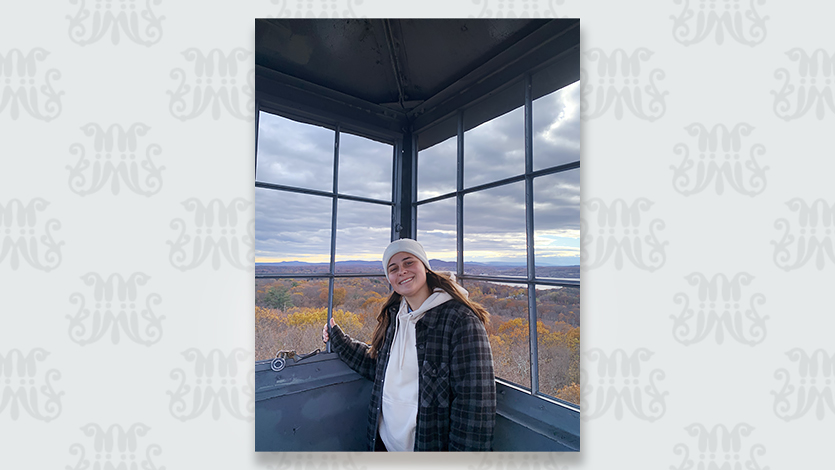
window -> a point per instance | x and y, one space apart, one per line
318 238
509 227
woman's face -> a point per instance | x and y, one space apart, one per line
407 274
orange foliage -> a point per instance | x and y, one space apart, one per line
338 295
569 393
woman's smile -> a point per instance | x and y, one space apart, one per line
407 275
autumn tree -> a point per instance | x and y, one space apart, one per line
338 295
278 297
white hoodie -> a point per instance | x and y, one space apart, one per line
400 387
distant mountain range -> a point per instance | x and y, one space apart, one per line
375 267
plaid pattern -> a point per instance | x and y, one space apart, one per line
457 388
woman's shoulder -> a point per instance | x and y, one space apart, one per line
456 310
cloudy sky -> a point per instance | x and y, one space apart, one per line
296 227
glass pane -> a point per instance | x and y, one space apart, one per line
363 231
557 224
556 127
356 303
293 153
289 314
508 329
437 167
436 229
558 341
292 232
496 149
365 167
494 231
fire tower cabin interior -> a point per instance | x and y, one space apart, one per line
413 85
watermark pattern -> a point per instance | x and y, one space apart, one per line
620 81
121 18
719 161
519 461
114 448
114 159
622 232
812 240
216 383
812 90
721 309
24 88
719 447
116 307
20 231
743 25
622 384
317 460
23 389
814 388
215 236
516 8
326 9
218 82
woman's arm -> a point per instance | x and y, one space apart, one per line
353 353
473 408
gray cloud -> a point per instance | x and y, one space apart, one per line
365 167
290 225
495 149
294 154
556 127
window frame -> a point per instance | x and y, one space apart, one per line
271 98
531 280
338 126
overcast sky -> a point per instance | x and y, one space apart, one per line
291 226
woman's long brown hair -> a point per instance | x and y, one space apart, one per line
433 281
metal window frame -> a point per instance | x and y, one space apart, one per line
531 280
334 195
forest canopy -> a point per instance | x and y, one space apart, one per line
290 313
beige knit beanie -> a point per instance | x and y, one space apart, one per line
406 245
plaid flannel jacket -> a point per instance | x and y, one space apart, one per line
457 388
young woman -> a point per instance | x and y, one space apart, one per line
429 359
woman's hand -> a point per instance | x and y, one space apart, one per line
325 335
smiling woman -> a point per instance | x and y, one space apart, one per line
429 359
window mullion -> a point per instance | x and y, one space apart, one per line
530 235
333 225
459 198
257 121
396 150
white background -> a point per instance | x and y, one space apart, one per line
748 387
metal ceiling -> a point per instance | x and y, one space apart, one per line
387 75
385 62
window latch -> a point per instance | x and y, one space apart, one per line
281 357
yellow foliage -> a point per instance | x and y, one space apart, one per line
263 313
569 393
374 302
302 317
516 331
496 343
